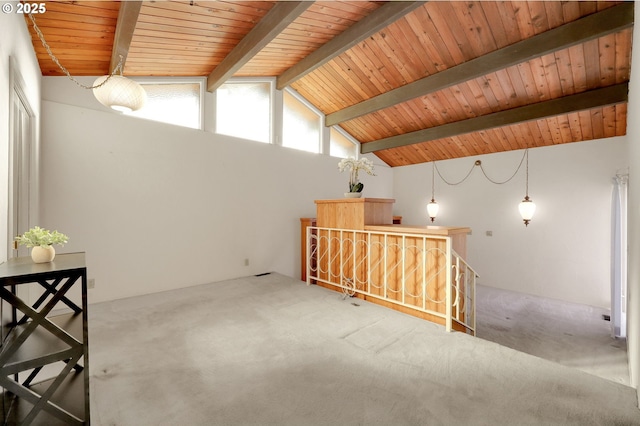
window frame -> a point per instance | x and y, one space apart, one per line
276 111
201 81
272 110
344 133
306 103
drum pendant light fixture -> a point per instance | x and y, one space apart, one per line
119 93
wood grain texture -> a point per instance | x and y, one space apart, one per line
192 38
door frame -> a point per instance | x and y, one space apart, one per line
18 93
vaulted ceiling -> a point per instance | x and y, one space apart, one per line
412 81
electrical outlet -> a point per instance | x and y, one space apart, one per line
489 233
246 262
91 283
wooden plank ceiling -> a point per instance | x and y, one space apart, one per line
412 81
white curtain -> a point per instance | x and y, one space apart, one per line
619 257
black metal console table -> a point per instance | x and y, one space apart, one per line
44 356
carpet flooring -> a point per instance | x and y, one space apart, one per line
567 333
270 350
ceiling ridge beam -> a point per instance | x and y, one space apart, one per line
125 26
270 26
608 21
361 30
582 101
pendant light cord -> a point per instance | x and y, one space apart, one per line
479 163
433 180
57 62
526 192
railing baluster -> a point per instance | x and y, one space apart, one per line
309 254
386 248
448 285
403 251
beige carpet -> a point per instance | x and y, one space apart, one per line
272 351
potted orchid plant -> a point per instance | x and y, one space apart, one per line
354 166
42 241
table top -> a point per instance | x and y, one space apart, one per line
24 266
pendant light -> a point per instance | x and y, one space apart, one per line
527 207
119 93
433 207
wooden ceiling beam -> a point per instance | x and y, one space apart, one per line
608 21
361 30
583 101
126 24
269 27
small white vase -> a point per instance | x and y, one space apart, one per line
353 194
43 254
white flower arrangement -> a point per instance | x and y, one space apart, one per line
354 166
37 236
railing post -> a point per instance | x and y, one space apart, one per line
341 260
474 303
368 262
458 286
424 272
448 285
308 256
404 254
329 258
385 265
354 260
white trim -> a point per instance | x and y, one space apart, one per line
17 89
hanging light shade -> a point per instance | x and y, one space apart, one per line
527 209
432 209
119 93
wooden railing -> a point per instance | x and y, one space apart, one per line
415 273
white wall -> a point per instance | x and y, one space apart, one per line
564 252
15 43
633 133
159 207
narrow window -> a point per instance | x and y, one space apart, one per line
243 110
341 145
301 126
173 103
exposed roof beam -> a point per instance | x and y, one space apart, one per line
126 24
608 21
361 30
272 24
567 104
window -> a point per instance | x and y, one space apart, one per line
243 110
301 126
341 145
173 103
